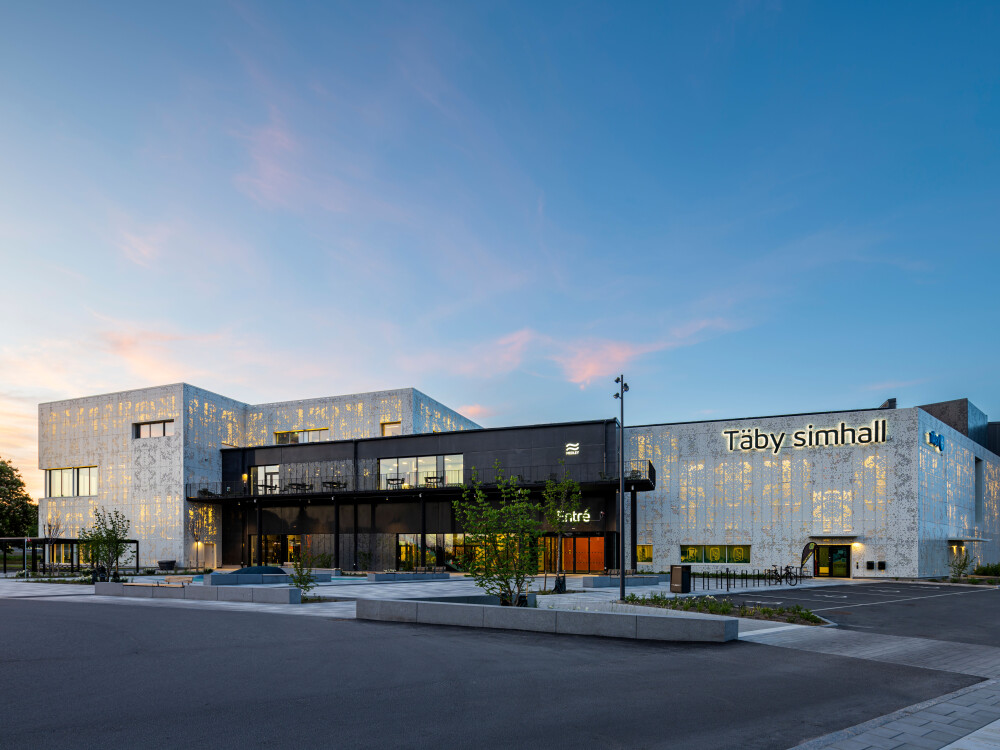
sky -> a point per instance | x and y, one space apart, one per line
748 208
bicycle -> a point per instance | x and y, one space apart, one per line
777 575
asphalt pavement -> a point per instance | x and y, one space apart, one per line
944 612
91 675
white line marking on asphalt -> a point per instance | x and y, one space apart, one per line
915 598
767 631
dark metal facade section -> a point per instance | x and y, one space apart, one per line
993 437
585 451
964 416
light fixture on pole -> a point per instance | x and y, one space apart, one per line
622 390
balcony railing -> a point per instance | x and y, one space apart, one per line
291 483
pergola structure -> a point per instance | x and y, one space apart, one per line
38 544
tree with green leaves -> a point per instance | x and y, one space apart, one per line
18 514
504 534
561 501
303 575
106 542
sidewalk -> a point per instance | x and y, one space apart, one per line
968 719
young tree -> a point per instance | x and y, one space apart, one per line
202 524
52 529
106 540
302 574
18 514
560 505
960 563
504 534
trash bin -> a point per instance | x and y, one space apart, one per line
680 579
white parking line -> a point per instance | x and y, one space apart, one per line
911 599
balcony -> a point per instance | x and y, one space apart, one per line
291 484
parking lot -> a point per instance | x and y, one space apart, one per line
135 676
964 614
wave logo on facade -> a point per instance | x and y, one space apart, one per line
572 449
753 439
934 440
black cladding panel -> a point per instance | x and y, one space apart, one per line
593 444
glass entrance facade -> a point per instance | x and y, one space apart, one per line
581 554
833 561
278 549
443 550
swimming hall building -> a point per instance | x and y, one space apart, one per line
369 479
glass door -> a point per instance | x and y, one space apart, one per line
840 562
822 562
833 561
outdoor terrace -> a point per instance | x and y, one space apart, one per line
316 481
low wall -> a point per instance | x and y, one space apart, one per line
607 582
238 579
408 577
607 624
272 595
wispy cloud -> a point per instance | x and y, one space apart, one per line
273 178
477 411
143 247
889 385
580 360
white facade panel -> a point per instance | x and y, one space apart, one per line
778 498
145 478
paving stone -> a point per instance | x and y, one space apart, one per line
944 736
885 731
850 744
967 724
875 740
920 743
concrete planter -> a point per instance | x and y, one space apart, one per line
251 579
383 577
607 582
270 595
604 624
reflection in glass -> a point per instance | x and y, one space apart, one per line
453 470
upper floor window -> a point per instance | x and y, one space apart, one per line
392 428
420 471
78 481
292 437
154 429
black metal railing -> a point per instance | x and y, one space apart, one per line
308 480
732 579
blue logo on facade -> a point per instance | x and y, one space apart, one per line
935 441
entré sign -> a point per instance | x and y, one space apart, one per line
753 439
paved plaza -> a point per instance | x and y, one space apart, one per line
939 689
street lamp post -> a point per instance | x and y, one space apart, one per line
622 390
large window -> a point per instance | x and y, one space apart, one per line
293 437
715 553
264 480
154 429
420 471
392 428
86 481
77 481
644 553
59 483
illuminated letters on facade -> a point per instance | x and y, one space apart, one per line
753 439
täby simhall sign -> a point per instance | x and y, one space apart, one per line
754 439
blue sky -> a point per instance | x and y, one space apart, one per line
750 208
